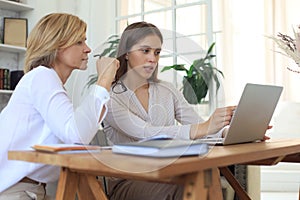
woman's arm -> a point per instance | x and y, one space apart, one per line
57 111
185 114
106 70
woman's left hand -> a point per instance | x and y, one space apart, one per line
267 137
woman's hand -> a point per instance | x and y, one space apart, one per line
220 118
106 69
267 137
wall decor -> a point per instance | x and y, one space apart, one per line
15 31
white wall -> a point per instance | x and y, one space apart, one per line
283 177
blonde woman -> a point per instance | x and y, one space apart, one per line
40 111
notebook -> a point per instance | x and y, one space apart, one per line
162 147
67 148
252 115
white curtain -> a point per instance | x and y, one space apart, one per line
246 55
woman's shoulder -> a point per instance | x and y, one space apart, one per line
42 75
40 71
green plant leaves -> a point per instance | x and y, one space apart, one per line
194 88
92 80
176 67
198 77
112 42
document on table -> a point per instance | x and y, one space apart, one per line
68 148
162 147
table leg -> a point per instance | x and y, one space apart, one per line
215 188
194 187
67 185
203 185
89 188
234 183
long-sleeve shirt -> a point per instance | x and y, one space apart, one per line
40 112
168 113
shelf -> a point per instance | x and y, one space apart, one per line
11 48
6 91
15 6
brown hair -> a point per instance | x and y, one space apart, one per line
132 35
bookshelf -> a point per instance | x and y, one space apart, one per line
14 6
15 54
12 49
6 91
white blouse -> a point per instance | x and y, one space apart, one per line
40 112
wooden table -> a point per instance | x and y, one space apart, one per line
199 174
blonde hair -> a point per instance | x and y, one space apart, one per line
52 32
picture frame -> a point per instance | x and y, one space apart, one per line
15 31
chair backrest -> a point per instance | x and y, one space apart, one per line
99 139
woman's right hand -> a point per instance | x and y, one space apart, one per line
106 69
219 119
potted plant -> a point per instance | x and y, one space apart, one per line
289 46
199 77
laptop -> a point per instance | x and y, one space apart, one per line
252 115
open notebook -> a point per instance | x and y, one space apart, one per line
252 115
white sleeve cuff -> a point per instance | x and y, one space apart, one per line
218 134
101 93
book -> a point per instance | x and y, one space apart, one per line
162 147
67 148
1 78
4 79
